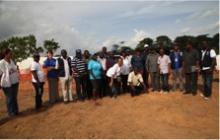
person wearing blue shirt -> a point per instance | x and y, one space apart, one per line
176 66
95 75
52 76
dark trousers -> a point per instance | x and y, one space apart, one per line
191 82
11 99
81 85
89 87
145 77
104 86
207 82
124 80
136 90
164 81
155 80
39 89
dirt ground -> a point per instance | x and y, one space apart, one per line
151 115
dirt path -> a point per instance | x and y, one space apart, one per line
147 116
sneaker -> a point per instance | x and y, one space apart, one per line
206 98
161 92
201 95
166 92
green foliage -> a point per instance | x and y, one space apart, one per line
51 45
164 41
22 47
145 41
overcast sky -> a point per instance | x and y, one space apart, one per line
92 24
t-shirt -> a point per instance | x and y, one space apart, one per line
212 55
96 68
164 62
36 67
51 63
136 80
9 73
114 71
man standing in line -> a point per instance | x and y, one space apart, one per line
208 62
164 70
63 64
79 69
190 68
176 66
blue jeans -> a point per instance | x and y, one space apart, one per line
207 82
11 99
164 80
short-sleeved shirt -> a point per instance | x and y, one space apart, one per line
9 73
51 63
136 80
114 71
190 58
37 67
80 65
164 62
96 68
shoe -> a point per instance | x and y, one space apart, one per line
201 95
206 98
166 92
161 92
194 93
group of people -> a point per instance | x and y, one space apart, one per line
106 74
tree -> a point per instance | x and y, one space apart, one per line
215 43
51 45
164 40
182 41
22 47
145 41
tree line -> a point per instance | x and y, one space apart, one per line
24 47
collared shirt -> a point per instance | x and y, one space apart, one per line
135 79
51 63
40 74
189 59
114 71
164 62
126 65
151 62
9 72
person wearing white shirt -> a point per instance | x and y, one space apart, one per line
38 79
164 66
208 62
126 68
63 65
114 77
9 82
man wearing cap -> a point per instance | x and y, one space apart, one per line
63 64
79 69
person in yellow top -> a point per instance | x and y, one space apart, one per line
136 82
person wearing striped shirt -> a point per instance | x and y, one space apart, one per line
79 70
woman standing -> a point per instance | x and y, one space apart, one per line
95 71
52 76
9 78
